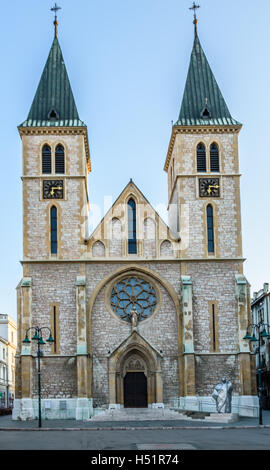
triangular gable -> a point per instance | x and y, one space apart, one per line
118 210
133 340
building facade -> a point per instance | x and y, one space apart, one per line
143 314
8 335
3 374
260 307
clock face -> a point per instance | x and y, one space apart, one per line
209 187
53 189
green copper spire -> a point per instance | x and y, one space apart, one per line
54 104
203 103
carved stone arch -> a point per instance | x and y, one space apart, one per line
126 270
119 272
166 248
98 249
135 355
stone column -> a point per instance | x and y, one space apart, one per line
84 402
244 318
159 388
26 322
23 407
188 338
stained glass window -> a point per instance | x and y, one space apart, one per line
210 229
132 292
132 237
53 230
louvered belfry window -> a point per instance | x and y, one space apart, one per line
59 159
46 159
214 157
201 158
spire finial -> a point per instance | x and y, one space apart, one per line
195 21
55 9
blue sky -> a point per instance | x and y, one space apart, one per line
127 62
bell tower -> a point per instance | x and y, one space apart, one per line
56 163
203 168
204 211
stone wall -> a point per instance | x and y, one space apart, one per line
55 284
160 330
210 369
214 282
58 377
211 282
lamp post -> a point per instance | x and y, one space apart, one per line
259 332
38 337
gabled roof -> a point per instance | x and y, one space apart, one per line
54 103
131 189
203 103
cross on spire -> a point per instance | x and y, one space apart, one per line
55 9
195 21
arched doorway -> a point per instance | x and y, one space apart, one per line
135 376
135 390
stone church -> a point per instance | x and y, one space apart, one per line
142 314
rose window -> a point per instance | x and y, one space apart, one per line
133 292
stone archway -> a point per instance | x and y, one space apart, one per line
135 356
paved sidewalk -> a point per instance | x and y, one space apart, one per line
6 423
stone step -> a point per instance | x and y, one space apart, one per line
138 414
222 417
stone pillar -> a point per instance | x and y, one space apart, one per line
26 322
84 407
23 403
188 338
244 318
159 388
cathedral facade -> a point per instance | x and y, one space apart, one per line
142 314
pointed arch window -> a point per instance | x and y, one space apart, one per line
201 157
53 215
214 157
46 159
59 159
132 236
210 228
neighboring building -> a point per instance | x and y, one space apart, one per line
260 307
143 314
3 373
8 331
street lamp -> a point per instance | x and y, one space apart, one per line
38 337
258 332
